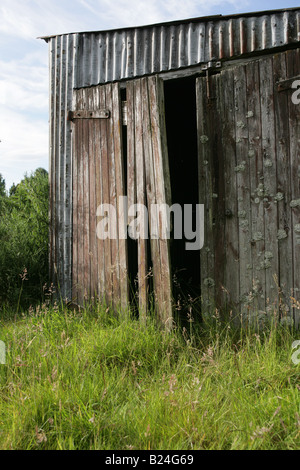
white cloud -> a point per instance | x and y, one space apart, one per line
122 13
31 18
28 19
23 146
24 84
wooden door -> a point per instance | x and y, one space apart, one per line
99 265
149 184
248 139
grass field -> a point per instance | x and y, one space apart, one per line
88 380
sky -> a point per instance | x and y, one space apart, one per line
24 76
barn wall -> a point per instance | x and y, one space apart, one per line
83 59
248 137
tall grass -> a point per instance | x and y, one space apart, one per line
89 380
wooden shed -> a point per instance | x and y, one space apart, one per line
199 111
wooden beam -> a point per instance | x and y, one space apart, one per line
283 85
89 114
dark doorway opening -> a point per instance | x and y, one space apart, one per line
181 126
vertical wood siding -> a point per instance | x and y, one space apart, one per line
99 266
248 139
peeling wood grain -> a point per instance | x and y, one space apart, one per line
255 160
243 182
162 189
205 158
284 234
141 199
232 253
269 152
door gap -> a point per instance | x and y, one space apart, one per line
181 126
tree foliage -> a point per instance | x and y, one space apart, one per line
24 238
3 196
2 186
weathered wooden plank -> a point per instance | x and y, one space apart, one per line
103 254
151 192
293 66
90 113
86 205
218 188
92 198
131 176
167 199
269 260
140 198
106 199
283 194
205 159
243 183
257 229
211 190
163 139
80 237
63 181
77 138
161 178
113 200
231 232
99 249
286 84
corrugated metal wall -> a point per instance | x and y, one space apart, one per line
62 58
84 59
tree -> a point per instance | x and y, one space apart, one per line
24 238
2 186
12 189
3 195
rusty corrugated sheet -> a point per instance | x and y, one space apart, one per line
84 59
132 52
117 55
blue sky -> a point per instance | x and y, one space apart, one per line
24 85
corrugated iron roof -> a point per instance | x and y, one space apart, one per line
105 56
